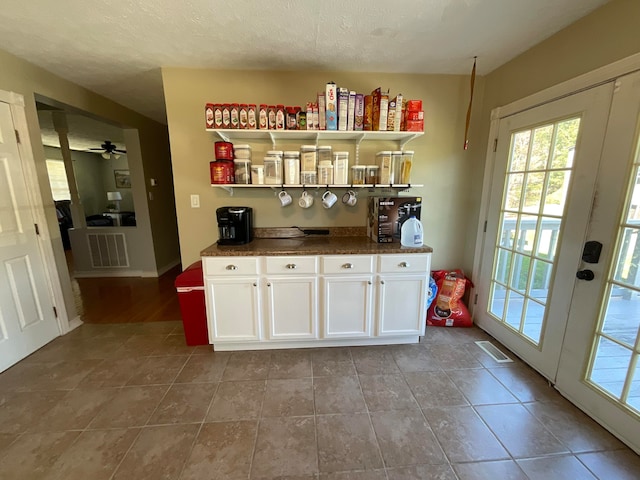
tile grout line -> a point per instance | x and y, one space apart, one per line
259 420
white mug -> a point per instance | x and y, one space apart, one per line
306 200
285 198
349 198
329 199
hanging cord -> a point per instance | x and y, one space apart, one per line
473 81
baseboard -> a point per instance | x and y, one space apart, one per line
169 266
75 323
108 273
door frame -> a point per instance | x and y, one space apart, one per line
577 84
45 245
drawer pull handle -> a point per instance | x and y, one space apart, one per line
291 266
231 267
403 265
347 265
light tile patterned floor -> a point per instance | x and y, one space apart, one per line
132 401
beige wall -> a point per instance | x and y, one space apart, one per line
606 35
19 76
441 164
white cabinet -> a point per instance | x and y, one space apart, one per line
402 289
291 297
347 289
292 307
233 308
275 302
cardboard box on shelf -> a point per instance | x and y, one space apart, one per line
331 104
343 108
415 126
386 215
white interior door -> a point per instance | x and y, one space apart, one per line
543 179
599 366
27 320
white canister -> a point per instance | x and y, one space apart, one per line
341 168
308 158
273 170
242 152
291 164
257 174
325 174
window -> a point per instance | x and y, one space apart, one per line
58 180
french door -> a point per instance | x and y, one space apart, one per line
567 173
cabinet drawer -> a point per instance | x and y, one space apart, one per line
292 265
402 263
345 264
230 266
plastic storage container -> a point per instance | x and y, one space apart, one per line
272 170
411 233
309 178
242 152
308 158
385 167
257 174
358 174
242 171
325 174
341 168
190 287
371 175
407 163
324 153
396 164
291 164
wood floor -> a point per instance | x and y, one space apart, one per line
127 300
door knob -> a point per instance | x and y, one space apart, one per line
585 275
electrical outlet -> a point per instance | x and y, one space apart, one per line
195 201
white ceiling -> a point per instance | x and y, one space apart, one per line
84 132
116 47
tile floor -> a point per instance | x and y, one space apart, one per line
131 401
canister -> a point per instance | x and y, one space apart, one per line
251 116
407 163
242 171
341 168
371 176
358 173
257 174
385 170
308 158
291 164
396 163
226 115
243 116
263 117
281 117
223 150
273 170
235 112
325 174
292 118
324 153
271 117
309 178
242 152
209 115
221 172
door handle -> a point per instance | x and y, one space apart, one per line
585 275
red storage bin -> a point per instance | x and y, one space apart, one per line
190 288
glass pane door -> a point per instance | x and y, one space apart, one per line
614 367
536 183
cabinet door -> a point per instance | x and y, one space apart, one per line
401 304
347 306
233 309
292 305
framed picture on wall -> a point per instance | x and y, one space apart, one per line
123 178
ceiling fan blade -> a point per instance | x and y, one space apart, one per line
99 149
119 151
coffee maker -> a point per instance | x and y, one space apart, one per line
235 225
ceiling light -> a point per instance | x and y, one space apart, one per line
106 155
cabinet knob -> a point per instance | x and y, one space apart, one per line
231 267
291 266
347 265
255 284
381 282
268 284
369 282
403 264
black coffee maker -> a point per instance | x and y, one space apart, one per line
235 225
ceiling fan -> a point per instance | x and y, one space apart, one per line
108 149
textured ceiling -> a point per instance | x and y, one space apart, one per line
84 132
116 47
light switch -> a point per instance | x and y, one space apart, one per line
195 201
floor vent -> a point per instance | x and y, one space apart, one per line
493 351
108 250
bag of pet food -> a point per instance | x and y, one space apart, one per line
448 309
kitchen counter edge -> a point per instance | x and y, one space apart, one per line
310 246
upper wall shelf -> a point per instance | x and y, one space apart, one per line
314 136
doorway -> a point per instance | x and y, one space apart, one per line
564 174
